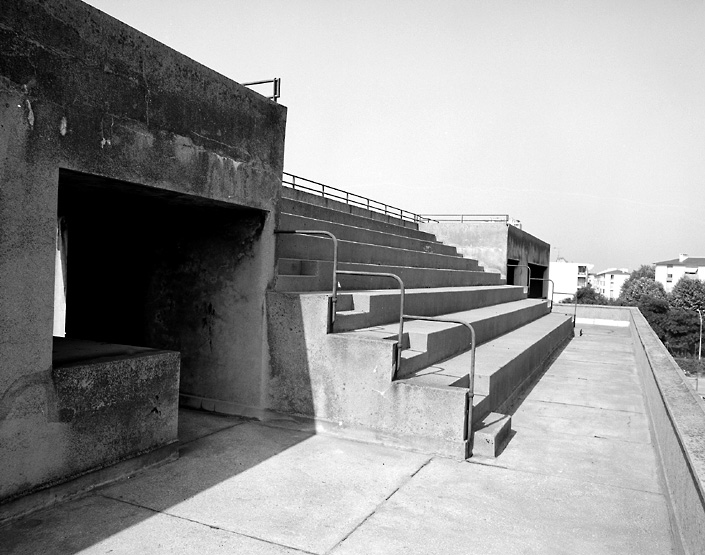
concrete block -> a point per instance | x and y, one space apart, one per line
490 434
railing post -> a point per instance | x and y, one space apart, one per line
400 337
334 293
471 375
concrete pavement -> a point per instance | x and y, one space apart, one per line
578 476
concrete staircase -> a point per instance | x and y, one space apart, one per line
366 243
350 381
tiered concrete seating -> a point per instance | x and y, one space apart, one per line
304 263
349 380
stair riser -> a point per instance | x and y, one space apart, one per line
412 278
381 310
290 206
504 382
361 235
442 344
316 248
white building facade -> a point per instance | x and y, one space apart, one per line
609 282
568 277
668 272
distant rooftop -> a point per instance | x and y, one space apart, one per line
690 261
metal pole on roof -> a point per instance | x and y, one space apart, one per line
700 349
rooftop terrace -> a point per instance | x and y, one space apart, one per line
582 474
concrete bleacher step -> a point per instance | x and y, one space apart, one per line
502 365
343 216
362 309
320 248
427 343
395 237
413 277
491 434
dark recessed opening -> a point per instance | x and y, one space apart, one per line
136 260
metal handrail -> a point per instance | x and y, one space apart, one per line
334 294
352 199
528 281
397 360
276 92
473 346
462 218
552 289
575 306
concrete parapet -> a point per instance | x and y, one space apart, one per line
677 415
678 429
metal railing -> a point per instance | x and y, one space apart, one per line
400 337
575 302
473 348
352 199
528 280
469 218
276 92
334 293
553 287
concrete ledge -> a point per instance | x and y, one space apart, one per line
678 429
601 322
602 315
82 484
223 407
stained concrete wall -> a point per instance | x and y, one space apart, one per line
492 244
83 92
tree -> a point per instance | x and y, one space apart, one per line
688 294
634 289
587 295
681 331
645 270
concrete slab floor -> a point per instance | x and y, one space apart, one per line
576 478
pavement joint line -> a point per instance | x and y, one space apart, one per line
561 476
608 438
368 516
579 405
212 433
211 526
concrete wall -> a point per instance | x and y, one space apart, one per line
677 418
492 244
80 91
678 428
485 242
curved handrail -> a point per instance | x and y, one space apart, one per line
575 306
528 281
473 346
552 289
397 360
334 295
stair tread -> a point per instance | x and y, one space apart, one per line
491 356
343 244
347 229
469 316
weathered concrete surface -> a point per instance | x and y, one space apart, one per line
80 91
260 489
103 525
678 422
101 410
461 508
277 485
493 244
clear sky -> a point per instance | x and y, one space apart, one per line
583 119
